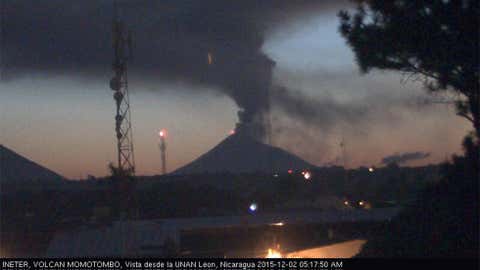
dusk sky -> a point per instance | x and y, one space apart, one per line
56 107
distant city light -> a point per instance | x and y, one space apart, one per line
290 171
275 175
232 132
307 175
162 133
361 202
371 169
253 207
346 203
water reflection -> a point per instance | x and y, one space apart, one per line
346 249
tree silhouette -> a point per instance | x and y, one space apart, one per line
123 192
437 41
117 173
434 40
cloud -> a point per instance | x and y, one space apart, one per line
214 43
404 157
172 43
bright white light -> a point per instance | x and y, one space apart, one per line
307 175
272 254
162 133
278 224
371 169
253 207
361 202
346 203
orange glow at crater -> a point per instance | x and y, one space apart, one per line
273 254
209 58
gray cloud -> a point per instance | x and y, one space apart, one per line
322 113
404 157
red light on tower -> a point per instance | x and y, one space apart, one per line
163 148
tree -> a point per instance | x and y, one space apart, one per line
438 41
434 40
123 191
442 222
117 173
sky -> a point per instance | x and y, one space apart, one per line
56 107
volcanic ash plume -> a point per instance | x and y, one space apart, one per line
214 43
252 96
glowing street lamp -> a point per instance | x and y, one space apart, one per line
307 175
253 207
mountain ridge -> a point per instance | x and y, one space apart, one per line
242 154
15 168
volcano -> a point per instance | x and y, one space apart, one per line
243 154
15 168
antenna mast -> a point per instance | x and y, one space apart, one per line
163 147
119 84
344 154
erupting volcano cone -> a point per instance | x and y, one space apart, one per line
242 154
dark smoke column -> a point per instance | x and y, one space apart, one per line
253 96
